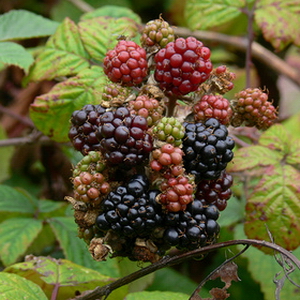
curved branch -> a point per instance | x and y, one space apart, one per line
240 43
171 261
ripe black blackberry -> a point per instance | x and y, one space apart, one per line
193 228
207 148
84 125
131 210
124 137
215 192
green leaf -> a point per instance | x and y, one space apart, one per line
204 14
276 138
22 24
48 206
13 200
279 22
275 203
63 99
14 54
16 287
293 157
254 156
100 34
64 275
6 154
291 124
65 230
64 54
16 235
113 11
157 295
264 268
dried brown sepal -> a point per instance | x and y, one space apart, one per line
99 250
145 250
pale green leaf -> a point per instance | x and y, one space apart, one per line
75 249
14 54
279 21
264 268
293 157
13 200
23 24
16 235
16 287
47 206
50 273
64 54
275 203
292 124
155 295
101 34
276 138
203 14
112 11
65 97
6 154
247 158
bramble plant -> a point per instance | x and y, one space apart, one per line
168 158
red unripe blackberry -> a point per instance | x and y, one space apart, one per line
182 66
167 160
126 63
212 106
177 192
215 192
147 107
84 127
124 137
252 108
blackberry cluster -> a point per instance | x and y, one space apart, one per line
182 66
124 138
126 63
84 127
215 192
131 210
193 228
207 148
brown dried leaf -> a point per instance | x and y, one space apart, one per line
219 294
227 273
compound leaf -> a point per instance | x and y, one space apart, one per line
76 250
279 22
113 11
64 275
15 287
204 14
51 112
16 235
254 156
13 200
14 54
101 33
63 55
157 295
23 24
275 203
